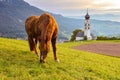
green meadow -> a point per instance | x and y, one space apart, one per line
18 63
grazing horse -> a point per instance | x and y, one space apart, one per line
42 29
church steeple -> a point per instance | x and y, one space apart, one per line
87 32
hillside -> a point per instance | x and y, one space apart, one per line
18 63
12 17
13 14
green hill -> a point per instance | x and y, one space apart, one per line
18 63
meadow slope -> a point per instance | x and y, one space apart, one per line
18 63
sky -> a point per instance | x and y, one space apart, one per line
77 7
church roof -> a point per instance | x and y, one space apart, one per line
87 16
80 34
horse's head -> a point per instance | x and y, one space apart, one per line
44 49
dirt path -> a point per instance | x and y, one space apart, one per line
112 49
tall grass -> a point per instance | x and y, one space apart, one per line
18 63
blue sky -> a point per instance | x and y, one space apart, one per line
78 7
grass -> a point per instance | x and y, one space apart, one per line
18 63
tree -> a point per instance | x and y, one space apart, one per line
74 33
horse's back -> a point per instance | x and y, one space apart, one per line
31 24
43 26
50 27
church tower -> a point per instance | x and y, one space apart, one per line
87 32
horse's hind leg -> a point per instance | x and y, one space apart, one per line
32 45
54 49
35 45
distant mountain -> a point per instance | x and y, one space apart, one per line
111 17
12 17
105 28
13 14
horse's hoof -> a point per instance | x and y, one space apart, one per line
57 60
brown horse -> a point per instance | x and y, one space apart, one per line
45 30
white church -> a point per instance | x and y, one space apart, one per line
87 30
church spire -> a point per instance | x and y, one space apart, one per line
87 32
87 10
87 15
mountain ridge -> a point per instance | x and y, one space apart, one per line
12 18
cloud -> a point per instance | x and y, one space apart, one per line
75 7
69 4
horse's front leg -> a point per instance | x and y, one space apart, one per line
54 49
